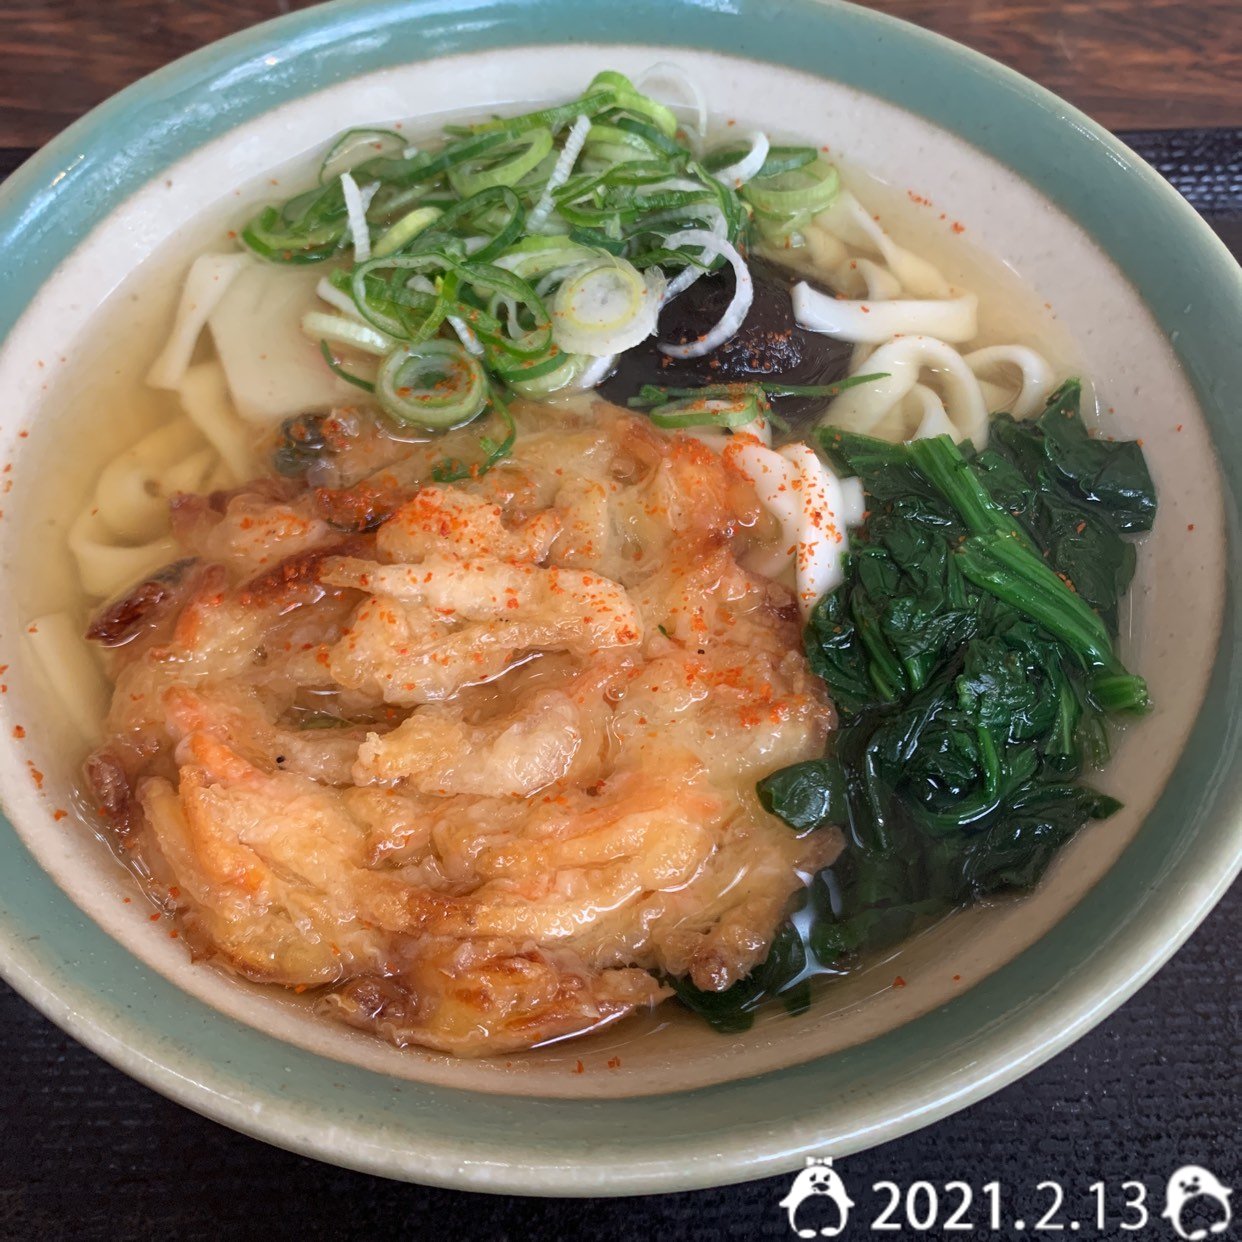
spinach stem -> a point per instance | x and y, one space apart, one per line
942 462
1006 569
1120 692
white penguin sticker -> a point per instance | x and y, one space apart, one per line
1193 1182
818 1180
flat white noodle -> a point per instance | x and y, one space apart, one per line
191 474
849 221
132 491
274 370
812 505
933 420
864 278
205 399
904 361
718 439
221 477
121 534
829 253
106 565
208 280
715 440
72 670
951 319
854 501
772 477
760 428
822 542
1035 375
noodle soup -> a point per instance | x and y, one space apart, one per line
486 688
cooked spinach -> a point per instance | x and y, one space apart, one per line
805 795
970 655
783 971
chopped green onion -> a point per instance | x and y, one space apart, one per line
605 307
779 160
358 146
632 100
452 470
807 189
534 257
382 292
303 231
335 367
540 377
512 162
495 214
434 385
593 102
343 331
449 227
738 411
650 395
405 231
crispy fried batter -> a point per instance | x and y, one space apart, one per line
487 775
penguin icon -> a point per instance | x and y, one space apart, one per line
819 1180
1189 1184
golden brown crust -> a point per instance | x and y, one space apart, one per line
485 775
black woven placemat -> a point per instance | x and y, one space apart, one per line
86 1153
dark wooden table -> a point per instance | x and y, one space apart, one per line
86 1153
1131 64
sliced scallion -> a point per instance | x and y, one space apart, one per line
505 165
651 395
810 188
335 367
546 242
605 307
453 470
735 411
435 385
405 231
358 146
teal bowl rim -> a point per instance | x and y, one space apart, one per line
1181 861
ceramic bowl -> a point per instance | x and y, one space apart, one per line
1154 304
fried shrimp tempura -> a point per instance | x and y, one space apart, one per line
483 777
